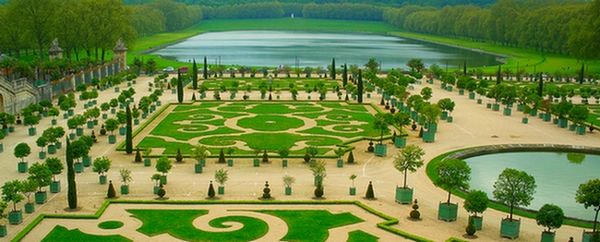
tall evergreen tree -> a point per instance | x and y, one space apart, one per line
205 69
540 86
128 132
581 73
499 75
194 75
72 187
465 68
179 87
359 87
345 75
333 69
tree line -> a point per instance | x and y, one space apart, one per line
564 28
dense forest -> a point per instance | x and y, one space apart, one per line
553 26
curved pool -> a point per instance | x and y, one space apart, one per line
557 176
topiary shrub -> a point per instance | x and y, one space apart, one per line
111 191
470 228
319 192
179 157
265 158
350 159
306 157
211 190
370 193
415 214
138 157
161 192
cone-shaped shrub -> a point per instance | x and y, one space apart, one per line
111 191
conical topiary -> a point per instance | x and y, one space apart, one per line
265 158
350 158
138 157
211 190
111 191
421 133
370 193
221 156
179 157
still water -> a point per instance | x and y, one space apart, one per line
557 176
275 48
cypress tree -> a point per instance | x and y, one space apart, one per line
128 132
360 87
540 86
499 75
581 73
345 75
370 193
72 187
465 68
205 69
194 75
179 88
350 158
111 193
221 157
333 69
138 156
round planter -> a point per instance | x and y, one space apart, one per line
124 189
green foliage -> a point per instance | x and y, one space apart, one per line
476 202
361 236
101 165
60 233
41 174
22 150
221 176
514 188
11 192
111 125
550 216
409 159
588 194
163 165
111 193
71 185
179 157
128 132
55 165
125 175
211 190
370 193
453 174
318 222
350 158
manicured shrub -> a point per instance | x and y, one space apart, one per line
138 156
370 193
179 157
470 228
350 158
415 214
211 190
221 156
265 158
319 191
111 191
161 192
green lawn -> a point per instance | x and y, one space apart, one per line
594 117
60 233
270 126
361 236
178 223
525 58
311 225
281 83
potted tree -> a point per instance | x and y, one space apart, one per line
41 142
200 152
111 125
221 176
256 161
11 192
156 178
401 119
452 174
21 151
125 179
288 181
104 107
476 202
551 217
409 159
163 165
284 153
587 194
101 165
56 166
352 187
381 122
319 171
41 174
230 151
3 206
28 188
147 161
513 188
31 120
340 153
